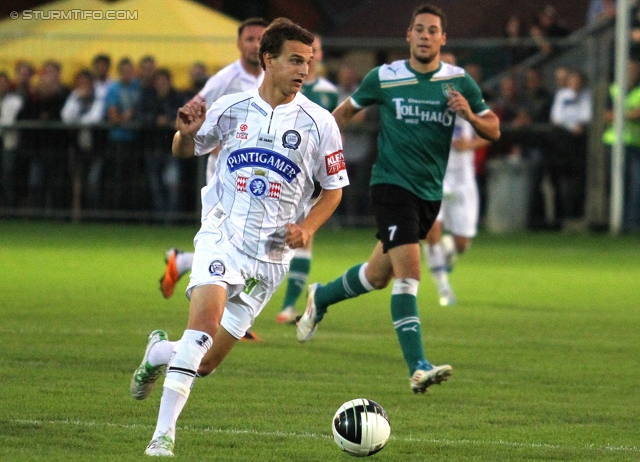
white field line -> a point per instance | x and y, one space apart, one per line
404 439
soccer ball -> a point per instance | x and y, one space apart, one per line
361 427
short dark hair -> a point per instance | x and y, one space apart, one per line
427 8
278 32
52 63
86 73
164 72
124 61
102 57
147 59
252 22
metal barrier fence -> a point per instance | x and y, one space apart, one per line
56 173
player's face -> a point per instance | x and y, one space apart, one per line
425 38
291 67
249 44
316 46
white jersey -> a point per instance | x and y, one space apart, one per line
461 164
230 79
460 201
265 168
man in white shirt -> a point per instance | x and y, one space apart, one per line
241 75
272 142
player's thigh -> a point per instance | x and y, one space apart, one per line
216 261
262 280
402 218
460 214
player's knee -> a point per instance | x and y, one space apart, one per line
207 366
379 282
462 244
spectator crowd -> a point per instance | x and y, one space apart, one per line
113 136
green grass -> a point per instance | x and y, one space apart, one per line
544 343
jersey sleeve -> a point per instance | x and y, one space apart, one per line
330 171
213 89
368 91
471 91
209 135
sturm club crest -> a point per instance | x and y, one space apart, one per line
447 88
217 268
258 186
291 139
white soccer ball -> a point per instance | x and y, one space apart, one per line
361 427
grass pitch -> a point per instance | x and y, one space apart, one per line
544 343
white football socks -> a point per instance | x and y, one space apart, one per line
181 373
437 263
161 352
184 260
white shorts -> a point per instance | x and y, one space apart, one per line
460 209
250 282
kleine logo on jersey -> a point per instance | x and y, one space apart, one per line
334 162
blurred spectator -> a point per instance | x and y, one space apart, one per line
121 104
509 108
358 145
85 107
547 25
476 73
24 77
567 156
46 147
561 77
599 10
102 81
10 105
542 214
198 77
631 140
147 71
517 51
537 102
158 110
634 39
537 99
101 68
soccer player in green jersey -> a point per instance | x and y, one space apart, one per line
418 101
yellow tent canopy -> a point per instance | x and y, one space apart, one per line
176 33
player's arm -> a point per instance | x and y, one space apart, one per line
476 142
188 121
344 113
298 235
487 125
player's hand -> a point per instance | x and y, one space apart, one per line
296 236
459 104
190 118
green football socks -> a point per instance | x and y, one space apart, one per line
351 284
404 313
298 274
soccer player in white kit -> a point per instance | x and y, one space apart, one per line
459 209
273 142
241 75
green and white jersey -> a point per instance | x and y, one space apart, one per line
322 92
416 125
